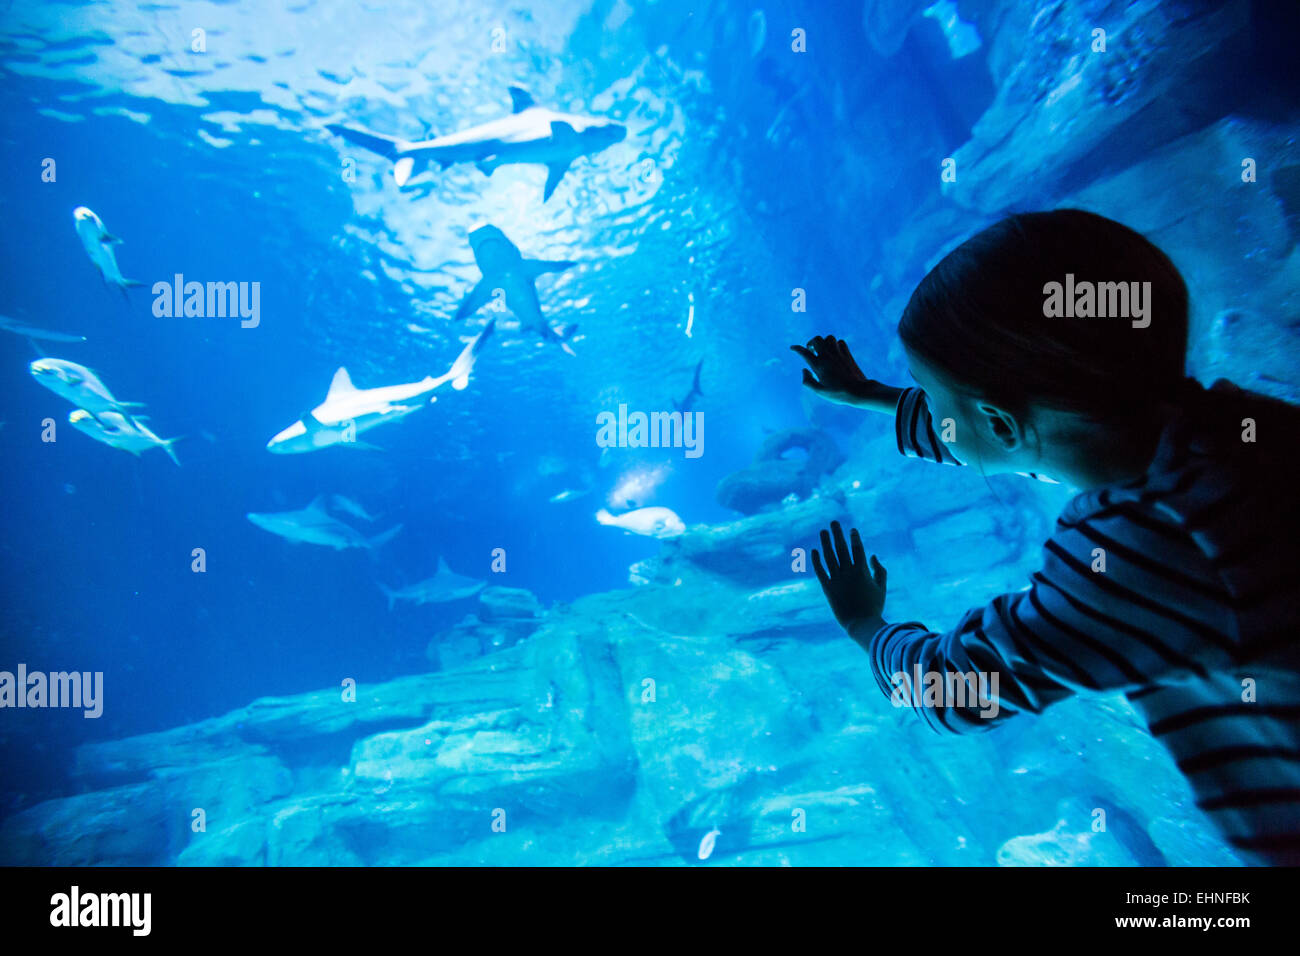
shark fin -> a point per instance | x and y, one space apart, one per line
382 539
364 445
118 406
562 132
310 422
388 593
442 566
402 170
317 504
109 239
375 142
475 299
487 164
520 99
537 267
341 384
555 171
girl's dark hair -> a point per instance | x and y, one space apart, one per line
979 317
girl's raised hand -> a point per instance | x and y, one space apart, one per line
832 372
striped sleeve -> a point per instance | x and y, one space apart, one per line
1119 604
915 432
916 437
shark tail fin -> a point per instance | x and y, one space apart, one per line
388 593
458 374
167 447
564 334
380 540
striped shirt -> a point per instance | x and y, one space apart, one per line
1180 589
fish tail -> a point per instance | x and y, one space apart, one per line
167 447
388 593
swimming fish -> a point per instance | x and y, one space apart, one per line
444 587
656 522
348 506
18 328
79 385
314 525
98 243
349 411
508 274
687 403
530 134
129 433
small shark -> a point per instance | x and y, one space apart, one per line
121 431
314 525
687 403
98 243
18 328
444 587
531 134
79 385
507 272
348 411
651 522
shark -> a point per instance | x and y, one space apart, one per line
507 273
687 403
315 525
530 134
443 588
127 432
30 331
348 411
79 385
98 243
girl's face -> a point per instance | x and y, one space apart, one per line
977 432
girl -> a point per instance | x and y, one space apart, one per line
1172 576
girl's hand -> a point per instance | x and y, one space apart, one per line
854 589
838 378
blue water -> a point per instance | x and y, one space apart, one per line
747 172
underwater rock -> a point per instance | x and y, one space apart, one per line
772 477
500 603
505 617
1059 104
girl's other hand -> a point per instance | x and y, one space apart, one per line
854 588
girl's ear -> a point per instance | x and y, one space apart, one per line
1000 427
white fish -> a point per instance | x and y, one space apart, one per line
444 587
314 525
505 270
121 431
654 522
79 385
18 328
98 243
531 134
348 411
